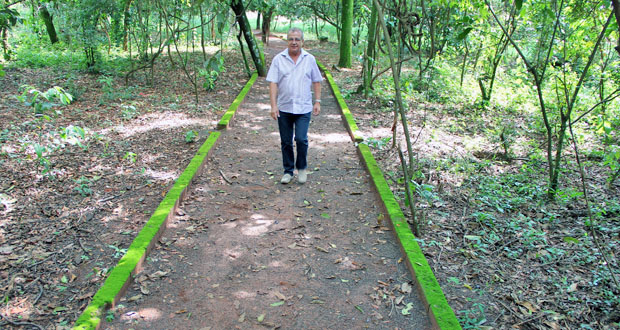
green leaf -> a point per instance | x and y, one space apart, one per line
569 239
63 279
276 304
60 309
260 318
463 34
325 215
407 309
519 4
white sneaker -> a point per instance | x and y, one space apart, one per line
286 178
302 176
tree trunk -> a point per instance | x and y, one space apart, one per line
616 6
244 26
266 28
49 23
370 51
346 34
126 23
4 39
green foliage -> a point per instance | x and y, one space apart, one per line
74 135
612 161
191 136
129 112
378 143
473 318
83 186
131 157
42 102
211 71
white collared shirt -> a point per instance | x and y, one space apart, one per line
294 81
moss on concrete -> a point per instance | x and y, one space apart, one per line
228 116
120 275
350 120
441 312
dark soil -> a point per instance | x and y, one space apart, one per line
62 230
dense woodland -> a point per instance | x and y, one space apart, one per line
496 123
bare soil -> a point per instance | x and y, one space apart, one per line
248 252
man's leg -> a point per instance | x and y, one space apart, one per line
285 124
301 140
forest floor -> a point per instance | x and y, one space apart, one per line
502 259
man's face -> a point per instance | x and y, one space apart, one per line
294 43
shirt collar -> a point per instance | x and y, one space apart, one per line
304 53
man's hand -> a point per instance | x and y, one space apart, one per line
275 113
316 109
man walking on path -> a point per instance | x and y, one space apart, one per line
292 75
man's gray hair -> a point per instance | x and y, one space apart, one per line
296 29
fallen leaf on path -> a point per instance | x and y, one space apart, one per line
407 309
260 318
405 288
158 274
279 295
241 318
321 249
134 298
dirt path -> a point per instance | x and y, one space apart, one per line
247 252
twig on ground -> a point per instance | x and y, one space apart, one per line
21 323
224 177
528 320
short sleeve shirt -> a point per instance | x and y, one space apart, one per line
294 81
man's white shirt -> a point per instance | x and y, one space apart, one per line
294 81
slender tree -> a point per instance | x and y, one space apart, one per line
244 25
48 19
346 42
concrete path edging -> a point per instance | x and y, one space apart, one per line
121 276
440 313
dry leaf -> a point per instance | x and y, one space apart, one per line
405 288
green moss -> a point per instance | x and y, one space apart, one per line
353 129
119 275
441 311
225 121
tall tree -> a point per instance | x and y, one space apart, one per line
48 19
369 58
246 29
616 8
346 41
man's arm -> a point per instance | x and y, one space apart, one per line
316 109
273 97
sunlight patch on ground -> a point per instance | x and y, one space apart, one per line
378 133
263 106
253 151
330 117
275 263
257 225
251 127
330 138
154 121
244 294
146 314
162 175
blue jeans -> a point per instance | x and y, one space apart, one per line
294 125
